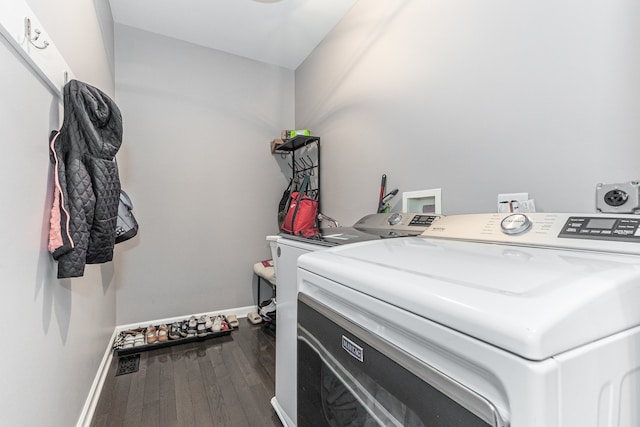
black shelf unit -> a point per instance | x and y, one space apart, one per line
291 145
304 165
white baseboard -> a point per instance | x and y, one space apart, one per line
284 418
240 312
94 392
96 388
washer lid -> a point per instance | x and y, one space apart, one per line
534 302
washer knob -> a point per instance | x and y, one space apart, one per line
515 224
394 218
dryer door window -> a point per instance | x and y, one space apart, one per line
349 377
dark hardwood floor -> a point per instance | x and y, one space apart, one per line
223 381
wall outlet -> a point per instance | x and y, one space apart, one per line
515 202
618 198
513 197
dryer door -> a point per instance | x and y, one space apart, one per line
347 376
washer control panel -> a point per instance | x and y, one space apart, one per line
409 223
598 228
618 233
422 220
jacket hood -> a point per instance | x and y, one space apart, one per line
93 118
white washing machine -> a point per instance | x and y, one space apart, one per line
289 248
484 320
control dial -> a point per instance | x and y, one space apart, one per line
394 218
515 224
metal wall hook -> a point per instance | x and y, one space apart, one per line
303 163
33 39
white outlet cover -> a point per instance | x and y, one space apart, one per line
513 197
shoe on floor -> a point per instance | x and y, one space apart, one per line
129 341
192 325
163 333
254 318
269 308
184 328
174 331
138 339
151 335
217 324
133 331
266 302
204 325
233 320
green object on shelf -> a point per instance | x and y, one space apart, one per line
288 134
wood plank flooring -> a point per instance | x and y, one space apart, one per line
222 382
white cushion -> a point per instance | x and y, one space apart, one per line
267 272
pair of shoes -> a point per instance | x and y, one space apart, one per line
118 343
205 325
150 334
163 333
254 318
135 331
184 328
126 339
174 331
266 309
138 339
232 320
131 340
192 325
160 334
217 324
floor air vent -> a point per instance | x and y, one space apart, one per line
128 364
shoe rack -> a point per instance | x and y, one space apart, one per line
120 350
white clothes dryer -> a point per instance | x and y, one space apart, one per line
485 320
289 248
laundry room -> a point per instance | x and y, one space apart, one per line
472 98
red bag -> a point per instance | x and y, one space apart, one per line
302 214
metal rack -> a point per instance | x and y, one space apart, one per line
305 160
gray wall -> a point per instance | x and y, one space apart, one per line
196 162
55 332
476 98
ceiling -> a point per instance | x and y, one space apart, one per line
279 32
